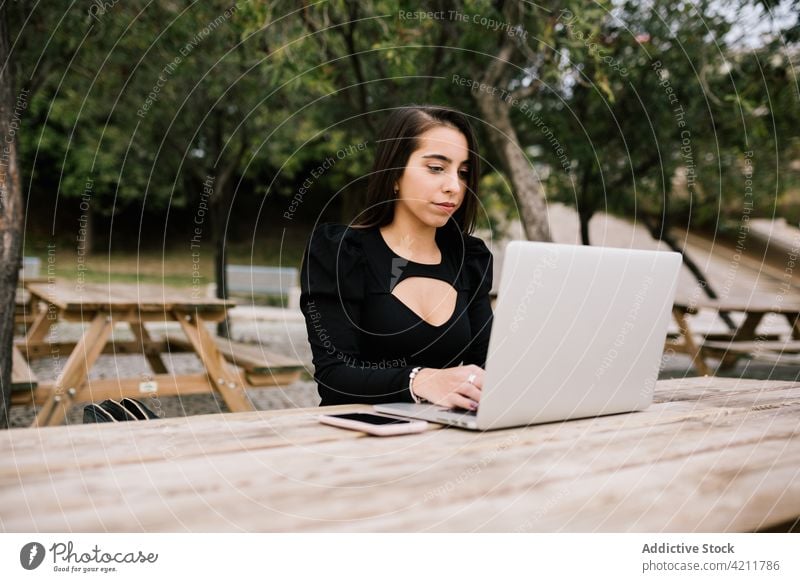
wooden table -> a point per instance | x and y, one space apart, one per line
712 455
742 341
101 306
22 308
22 302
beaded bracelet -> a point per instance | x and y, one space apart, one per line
411 377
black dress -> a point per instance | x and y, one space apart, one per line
364 340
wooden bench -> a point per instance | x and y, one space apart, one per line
22 377
253 281
784 352
261 367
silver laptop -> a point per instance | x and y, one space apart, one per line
578 331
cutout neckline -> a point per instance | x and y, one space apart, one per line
386 245
423 320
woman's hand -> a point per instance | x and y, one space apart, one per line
450 387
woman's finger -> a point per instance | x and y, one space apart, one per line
475 377
470 391
459 401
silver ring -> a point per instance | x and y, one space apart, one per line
471 379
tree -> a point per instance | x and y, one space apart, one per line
674 117
11 107
470 55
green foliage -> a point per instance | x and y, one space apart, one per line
148 99
676 130
155 99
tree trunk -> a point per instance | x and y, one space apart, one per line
528 191
585 217
220 204
585 206
89 244
10 213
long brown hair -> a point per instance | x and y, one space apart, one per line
398 139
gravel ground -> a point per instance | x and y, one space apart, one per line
288 338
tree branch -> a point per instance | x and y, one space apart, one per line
348 33
340 80
498 66
640 169
529 91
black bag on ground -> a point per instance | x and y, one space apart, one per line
96 413
137 409
118 411
113 411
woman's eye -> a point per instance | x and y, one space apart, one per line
464 174
435 169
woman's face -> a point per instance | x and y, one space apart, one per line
434 182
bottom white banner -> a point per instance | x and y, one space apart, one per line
372 557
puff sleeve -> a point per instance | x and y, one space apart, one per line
478 264
332 279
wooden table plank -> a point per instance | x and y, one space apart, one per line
163 439
755 305
75 372
22 298
710 455
221 376
252 358
119 388
22 377
788 346
118 297
280 488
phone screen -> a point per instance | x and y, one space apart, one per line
371 418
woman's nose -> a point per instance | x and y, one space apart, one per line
451 183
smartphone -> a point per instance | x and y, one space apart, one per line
376 424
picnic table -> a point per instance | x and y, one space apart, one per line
22 302
101 306
745 340
710 455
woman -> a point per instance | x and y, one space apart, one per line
397 304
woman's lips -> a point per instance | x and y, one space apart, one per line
446 207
